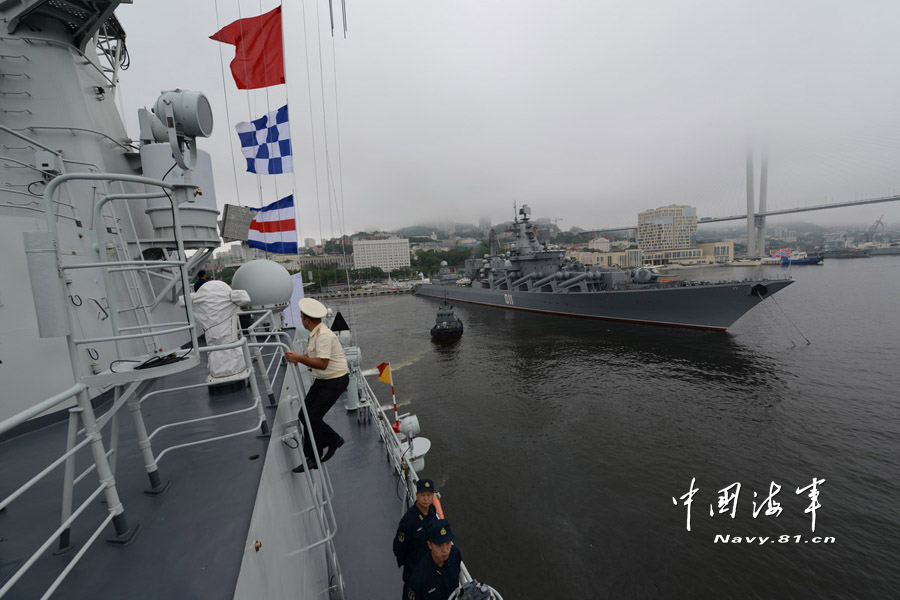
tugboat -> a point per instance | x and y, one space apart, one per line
447 325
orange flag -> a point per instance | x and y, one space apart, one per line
384 373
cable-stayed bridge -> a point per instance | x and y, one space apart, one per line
770 213
788 211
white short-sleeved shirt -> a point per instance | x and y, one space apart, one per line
323 343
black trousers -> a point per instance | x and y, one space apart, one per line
319 399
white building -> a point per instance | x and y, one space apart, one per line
238 254
600 243
387 255
309 242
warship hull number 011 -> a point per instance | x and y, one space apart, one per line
189 492
535 278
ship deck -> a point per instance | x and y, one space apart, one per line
193 538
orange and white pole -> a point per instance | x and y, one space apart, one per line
394 398
385 376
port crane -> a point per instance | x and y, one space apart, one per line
870 234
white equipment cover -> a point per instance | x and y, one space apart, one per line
292 313
215 310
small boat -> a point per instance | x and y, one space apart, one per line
806 260
789 258
447 325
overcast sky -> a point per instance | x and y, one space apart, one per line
589 111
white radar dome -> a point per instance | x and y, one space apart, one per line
268 283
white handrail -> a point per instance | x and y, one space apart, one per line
198 420
56 583
28 413
28 485
34 557
255 428
392 443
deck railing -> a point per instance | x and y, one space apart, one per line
318 480
125 395
396 453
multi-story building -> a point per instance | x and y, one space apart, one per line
302 263
237 254
309 242
667 228
387 255
668 234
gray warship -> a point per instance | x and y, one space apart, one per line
132 469
533 277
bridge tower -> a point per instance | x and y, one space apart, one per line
756 224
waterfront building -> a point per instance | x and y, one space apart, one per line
834 241
668 234
293 262
719 252
388 254
682 256
667 228
309 242
237 254
625 259
600 243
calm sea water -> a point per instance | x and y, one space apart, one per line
559 443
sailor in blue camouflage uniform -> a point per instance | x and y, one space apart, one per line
437 574
410 542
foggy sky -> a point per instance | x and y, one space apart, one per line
588 111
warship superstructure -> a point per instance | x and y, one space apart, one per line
127 471
536 278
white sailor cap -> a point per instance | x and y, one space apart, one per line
312 308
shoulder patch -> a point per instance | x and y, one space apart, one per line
401 537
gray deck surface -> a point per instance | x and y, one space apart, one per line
368 507
192 538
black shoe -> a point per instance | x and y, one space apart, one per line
310 464
332 449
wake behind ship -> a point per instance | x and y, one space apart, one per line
535 278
